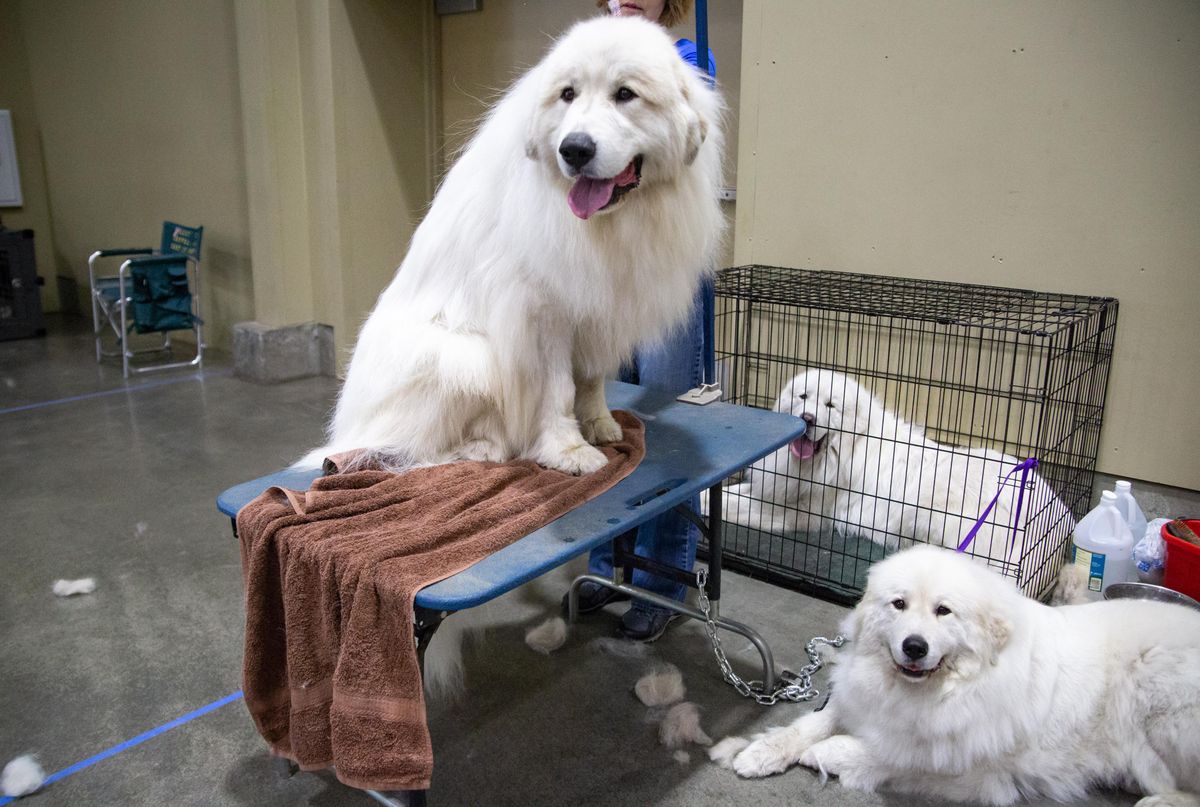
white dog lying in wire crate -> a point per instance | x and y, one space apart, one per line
863 470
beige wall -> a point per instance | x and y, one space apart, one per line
1053 146
338 102
137 103
16 95
1021 143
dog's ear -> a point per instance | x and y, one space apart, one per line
535 122
697 126
531 144
859 621
997 621
850 626
697 132
997 630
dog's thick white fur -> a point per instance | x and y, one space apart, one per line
862 470
541 265
956 685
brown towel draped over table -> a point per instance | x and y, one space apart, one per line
330 669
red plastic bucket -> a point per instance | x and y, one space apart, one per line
1182 571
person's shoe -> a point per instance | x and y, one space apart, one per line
646 624
592 597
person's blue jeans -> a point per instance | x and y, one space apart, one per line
675 366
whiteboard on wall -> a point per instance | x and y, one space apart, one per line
10 178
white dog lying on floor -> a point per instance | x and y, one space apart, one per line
577 224
862 470
955 685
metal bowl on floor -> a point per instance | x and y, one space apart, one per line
1148 591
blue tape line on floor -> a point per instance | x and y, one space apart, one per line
107 392
138 740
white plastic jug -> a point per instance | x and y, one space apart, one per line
1130 511
1103 546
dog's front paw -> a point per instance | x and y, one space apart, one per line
761 758
578 459
724 752
842 756
601 430
1174 798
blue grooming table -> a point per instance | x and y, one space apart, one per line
689 449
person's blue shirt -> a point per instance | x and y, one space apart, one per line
687 52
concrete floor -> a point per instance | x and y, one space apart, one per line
116 480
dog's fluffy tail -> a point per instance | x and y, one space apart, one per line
313 459
444 676
525 606
382 458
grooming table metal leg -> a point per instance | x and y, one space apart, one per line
712 531
284 767
406 798
425 624
764 650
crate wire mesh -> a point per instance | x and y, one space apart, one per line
973 367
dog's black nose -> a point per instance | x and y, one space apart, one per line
808 418
915 647
577 149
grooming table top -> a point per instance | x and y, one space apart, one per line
689 448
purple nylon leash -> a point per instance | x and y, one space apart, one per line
1024 468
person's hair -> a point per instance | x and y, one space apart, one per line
674 11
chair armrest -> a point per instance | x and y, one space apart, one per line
108 253
155 260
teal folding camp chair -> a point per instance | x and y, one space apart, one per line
151 293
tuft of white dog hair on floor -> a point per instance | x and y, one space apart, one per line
723 752
682 726
21 776
548 636
682 757
654 715
662 686
67 588
619 647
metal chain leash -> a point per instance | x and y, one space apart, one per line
794 687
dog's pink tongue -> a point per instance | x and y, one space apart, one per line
589 195
802 448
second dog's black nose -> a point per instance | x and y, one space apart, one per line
915 647
577 149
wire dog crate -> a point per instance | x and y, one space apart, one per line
952 384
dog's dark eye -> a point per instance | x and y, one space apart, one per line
568 94
899 604
829 404
941 610
804 396
625 94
